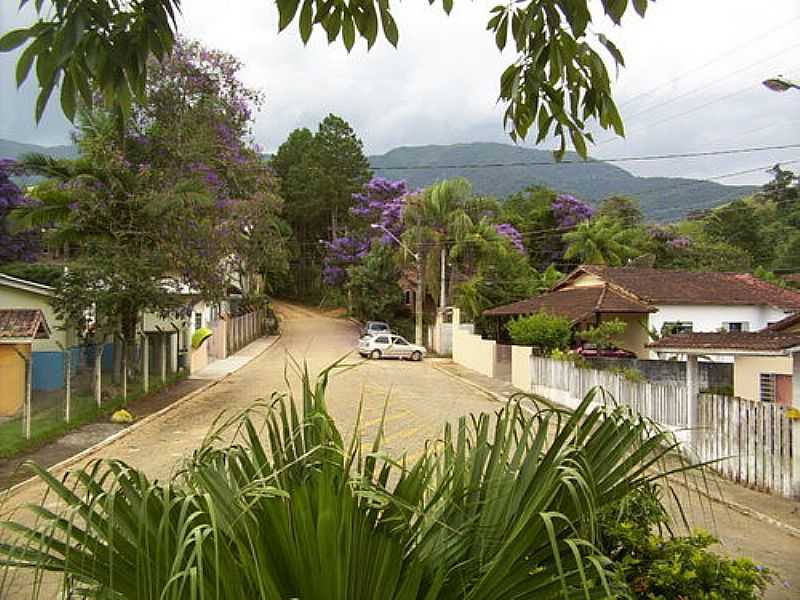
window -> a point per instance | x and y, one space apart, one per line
408 297
198 320
736 326
670 327
399 341
382 340
767 387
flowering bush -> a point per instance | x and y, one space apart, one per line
21 246
512 233
569 211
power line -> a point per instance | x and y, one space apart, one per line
709 84
588 162
733 50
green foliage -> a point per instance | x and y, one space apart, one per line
557 82
630 374
605 334
318 175
372 285
570 356
502 506
543 331
656 568
622 208
601 241
45 273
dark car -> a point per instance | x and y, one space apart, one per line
374 328
593 351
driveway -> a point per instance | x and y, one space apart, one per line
421 400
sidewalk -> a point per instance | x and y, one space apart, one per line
224 367
83 439
778 511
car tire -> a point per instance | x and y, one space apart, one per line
416 356
375 354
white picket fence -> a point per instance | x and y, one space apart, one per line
244 329
752 439
665 404
749 442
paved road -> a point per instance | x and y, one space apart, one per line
422 399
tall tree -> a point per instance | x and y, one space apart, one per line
623 209
343 168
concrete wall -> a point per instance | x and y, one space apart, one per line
521 375
470 350
748 369
712 375
12 377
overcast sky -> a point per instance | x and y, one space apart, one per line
692 81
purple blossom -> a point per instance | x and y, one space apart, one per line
382 202
680 242
569 211
340 253
21 246
507 230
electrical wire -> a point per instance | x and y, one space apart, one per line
593 162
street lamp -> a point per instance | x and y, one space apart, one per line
420 291
780 84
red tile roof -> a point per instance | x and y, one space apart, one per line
576 304
662 286
785 324
757 340
22 324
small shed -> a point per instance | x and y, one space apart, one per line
18 330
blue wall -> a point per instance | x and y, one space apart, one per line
48 367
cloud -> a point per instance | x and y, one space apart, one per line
691 82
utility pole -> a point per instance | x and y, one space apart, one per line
418 304
442 278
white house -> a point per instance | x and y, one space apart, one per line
660 300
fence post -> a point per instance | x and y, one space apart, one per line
67 385
26 407
145 362
692 390
164 351
98 373
795 425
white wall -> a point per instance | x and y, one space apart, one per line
709 318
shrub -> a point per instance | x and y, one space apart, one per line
543 331
570 356
604 334
659 568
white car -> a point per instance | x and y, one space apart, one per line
389 346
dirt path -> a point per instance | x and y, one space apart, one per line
422 400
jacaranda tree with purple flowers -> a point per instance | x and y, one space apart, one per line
174 192
22 246
569 211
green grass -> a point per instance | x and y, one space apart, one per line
48 424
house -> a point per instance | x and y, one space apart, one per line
48 353
660 301
766 363
19 330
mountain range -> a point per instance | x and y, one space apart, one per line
503 169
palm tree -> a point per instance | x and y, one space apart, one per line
603 241
276 504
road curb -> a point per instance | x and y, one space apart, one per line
740 508
86 452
